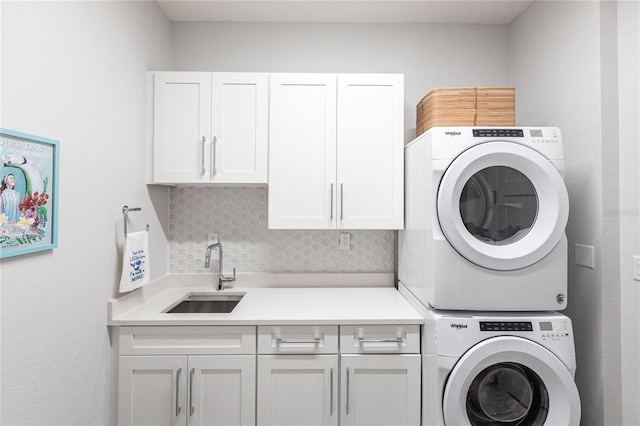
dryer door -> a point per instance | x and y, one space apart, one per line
502 205
510 381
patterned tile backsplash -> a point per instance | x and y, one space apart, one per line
239 216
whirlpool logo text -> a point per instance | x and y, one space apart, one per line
459 326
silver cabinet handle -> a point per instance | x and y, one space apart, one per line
192 407
178 408
347 391
331 394
341 200
213 164
280 341
362 340
331 201
203 168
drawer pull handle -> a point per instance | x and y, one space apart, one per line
398 340
331 394
178 407
331 204
347 402
203 168
213 161
192 408
341 200
281 341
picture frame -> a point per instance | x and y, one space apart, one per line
29 181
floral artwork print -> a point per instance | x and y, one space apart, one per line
27 171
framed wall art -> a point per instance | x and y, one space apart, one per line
28 193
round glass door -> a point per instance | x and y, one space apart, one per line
498 205
510 381
507 394
502 205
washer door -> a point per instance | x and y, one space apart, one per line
502 205
510 381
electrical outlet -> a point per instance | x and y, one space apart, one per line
636 268
345 241
212 238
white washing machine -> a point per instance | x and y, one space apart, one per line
497 369
485 217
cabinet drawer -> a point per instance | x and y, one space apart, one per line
296 339
380 339
173 340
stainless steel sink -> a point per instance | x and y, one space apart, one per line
206 304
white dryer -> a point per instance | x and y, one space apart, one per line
485 217
499 369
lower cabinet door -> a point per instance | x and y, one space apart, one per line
187 390
380 390
297 390
152 390
222 390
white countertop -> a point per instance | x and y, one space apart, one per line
262 305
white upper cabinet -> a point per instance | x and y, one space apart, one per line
370 167
336 151
181 127
210 128
240 127
302 151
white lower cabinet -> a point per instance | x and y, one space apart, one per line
380 390
377 381
293 375
297 390
297 375
187 390
160 383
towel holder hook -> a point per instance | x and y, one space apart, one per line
125 212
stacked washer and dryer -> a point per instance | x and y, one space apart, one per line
484 257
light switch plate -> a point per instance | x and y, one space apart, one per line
636 268
585 256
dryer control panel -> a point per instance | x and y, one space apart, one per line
504 133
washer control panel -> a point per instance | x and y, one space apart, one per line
545 330
506 326
554 330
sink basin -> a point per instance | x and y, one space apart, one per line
206 304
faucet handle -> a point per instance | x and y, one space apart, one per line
224 278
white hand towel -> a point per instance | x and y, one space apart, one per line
135 263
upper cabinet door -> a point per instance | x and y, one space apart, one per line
240 128
210 128
302 151
370 168
181 127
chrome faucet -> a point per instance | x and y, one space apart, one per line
221 278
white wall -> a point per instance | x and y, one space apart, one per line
568 72
76 72
629 107
429 56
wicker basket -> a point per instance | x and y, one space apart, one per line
466 106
